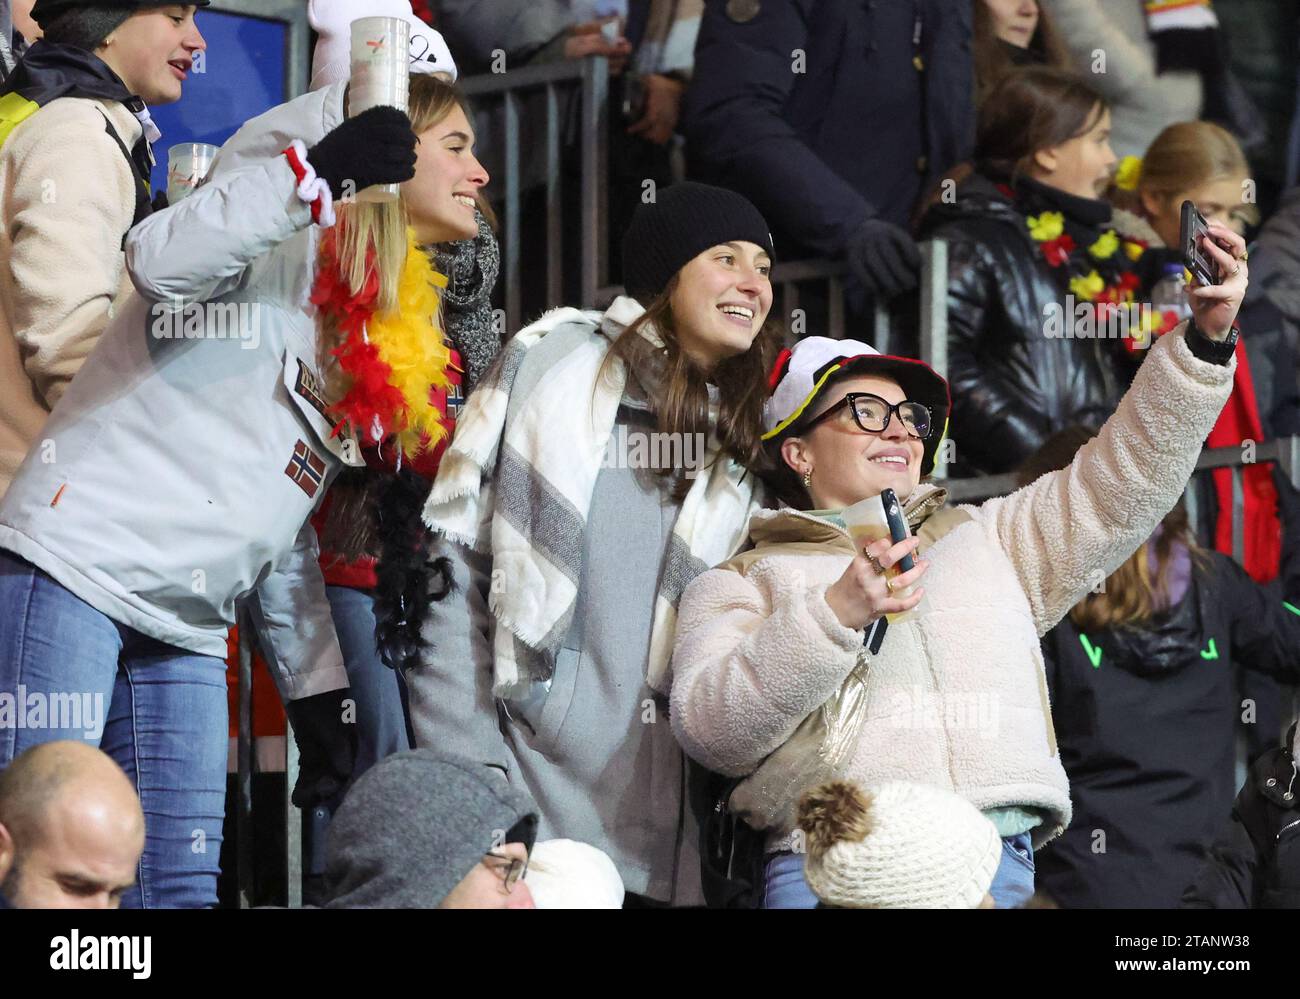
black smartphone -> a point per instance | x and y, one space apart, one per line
1192 229
897 532
897 525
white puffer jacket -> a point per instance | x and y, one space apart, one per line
956 697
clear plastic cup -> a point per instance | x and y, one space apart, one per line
187 164
866 523
381 68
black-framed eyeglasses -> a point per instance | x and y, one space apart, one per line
872 414
511 875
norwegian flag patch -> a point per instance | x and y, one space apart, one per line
455 400
306 468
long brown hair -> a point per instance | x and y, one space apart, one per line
992 59
1031 109
1135 592
682 408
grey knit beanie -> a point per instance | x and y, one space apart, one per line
414 825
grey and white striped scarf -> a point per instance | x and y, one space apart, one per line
517 481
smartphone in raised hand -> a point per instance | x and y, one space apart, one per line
1192 229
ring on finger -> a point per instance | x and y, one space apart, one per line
889 585
875 563
1235 271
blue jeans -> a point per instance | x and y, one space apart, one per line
1013 882
158 711
376 689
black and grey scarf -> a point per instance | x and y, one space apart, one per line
471 267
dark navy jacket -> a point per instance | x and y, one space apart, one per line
859 132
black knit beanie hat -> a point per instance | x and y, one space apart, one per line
84 28
85 24
683 221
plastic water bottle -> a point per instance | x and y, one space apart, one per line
1169 298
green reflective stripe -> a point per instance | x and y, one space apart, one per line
1291 607
14 109
1211 652
1093 651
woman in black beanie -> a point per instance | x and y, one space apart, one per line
599 465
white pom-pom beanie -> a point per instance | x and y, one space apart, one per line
897 845
332 21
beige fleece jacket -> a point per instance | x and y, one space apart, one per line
957 696
67 198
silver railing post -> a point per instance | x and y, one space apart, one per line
595 137
934 319
1238 517
513 242
1191 503
554 279
934 305
1289 458
880 327
790 300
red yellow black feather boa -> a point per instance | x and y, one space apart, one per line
391 360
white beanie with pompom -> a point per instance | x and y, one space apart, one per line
897 845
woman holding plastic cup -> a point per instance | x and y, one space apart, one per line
771 680
279 329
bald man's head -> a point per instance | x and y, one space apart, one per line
71 829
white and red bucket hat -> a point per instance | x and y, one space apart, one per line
801 375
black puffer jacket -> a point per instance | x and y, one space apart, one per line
1012 386
1255 862
1145 720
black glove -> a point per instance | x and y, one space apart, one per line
375 147
884 258
327 746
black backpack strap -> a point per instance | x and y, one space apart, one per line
140 166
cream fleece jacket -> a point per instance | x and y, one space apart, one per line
67 198
957 696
